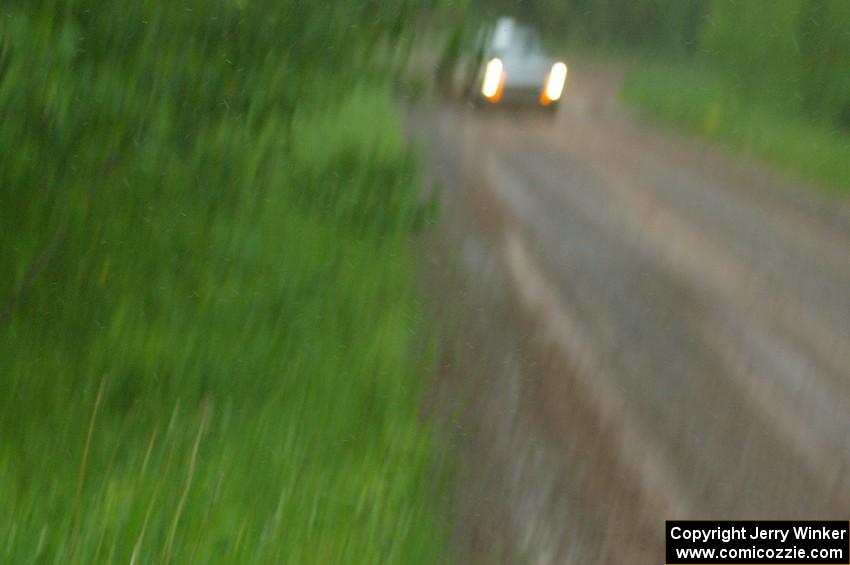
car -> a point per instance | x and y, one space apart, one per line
512 67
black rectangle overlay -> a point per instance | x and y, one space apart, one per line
751 541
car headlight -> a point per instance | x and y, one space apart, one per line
493 79
555 83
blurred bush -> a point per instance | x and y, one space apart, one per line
207 301
788 55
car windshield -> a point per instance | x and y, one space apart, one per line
510 38
527 41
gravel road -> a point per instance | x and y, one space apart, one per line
642 327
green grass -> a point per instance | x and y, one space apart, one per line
211 345
699 101
260 386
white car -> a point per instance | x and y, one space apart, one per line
512 67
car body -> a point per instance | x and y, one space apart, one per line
511 67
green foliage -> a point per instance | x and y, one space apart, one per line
769 80
208 306
357 136
701 100
787 54
825 46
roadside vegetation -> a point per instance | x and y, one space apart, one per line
766 78
211 347
704 102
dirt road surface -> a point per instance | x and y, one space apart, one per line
642 327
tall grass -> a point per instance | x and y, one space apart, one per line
211 346
699 100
